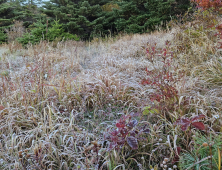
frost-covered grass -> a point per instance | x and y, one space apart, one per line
57 105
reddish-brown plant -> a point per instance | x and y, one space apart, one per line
163 80
206 4
184 123
126 132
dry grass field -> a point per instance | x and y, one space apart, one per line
60 104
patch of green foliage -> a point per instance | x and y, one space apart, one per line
98 18
199 157
39 32
3 37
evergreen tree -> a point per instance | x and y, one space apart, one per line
78 16
88 18
181 6
6 13
17 10
139 16
11 11
99 17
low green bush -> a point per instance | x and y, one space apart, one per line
200 156
3 37
38 33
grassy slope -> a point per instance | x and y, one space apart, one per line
56 101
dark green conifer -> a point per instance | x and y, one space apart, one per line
6 13
78 16
100 17
18 10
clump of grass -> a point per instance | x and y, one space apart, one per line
195 43
60 99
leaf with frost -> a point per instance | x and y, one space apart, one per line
199 125
132 124
132 141
198 117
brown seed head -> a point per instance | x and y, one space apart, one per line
205 144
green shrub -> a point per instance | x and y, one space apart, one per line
39 33
56 31
199 157
3 37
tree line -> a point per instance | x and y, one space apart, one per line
88 18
